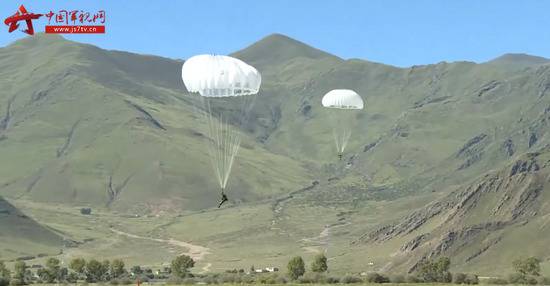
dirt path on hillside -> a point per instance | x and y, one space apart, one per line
317 243
196 252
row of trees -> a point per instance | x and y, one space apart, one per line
79 269
92 270
527 271
87 270
427 271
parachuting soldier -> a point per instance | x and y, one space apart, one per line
222 200
221 80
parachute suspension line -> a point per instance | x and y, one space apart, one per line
346 134
230 148
341 138
225 138
213 139
223 144
341 129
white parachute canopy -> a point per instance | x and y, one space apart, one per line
342 99
341 104
220 76
227 87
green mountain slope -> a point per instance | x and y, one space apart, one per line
84 125
21 236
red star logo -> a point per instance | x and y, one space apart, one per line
22 15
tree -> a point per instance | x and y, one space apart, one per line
435 271
105 267
180 265
44 275
19 272
136 270
52 270
528 266
62 274
319 263
94 270
117 268
5 274
78 265
4 271
296 267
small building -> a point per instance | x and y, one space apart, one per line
272 269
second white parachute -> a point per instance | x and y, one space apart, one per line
340 104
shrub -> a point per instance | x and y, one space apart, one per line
314 278
305 280
332 280
517 278
247 279
348 279
471 279
174 280
281 280
238 279
374 277
227 278
270 279
398 278
459 278
209 279
16 282
412 279
188 281
86 211
496 281
4 281
72 277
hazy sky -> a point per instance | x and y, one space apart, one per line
401 33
